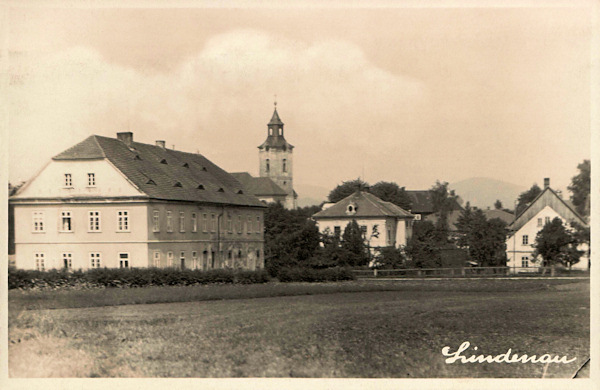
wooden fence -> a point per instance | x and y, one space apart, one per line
466 272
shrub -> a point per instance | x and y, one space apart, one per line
314 275
135 277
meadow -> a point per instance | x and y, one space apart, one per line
346 329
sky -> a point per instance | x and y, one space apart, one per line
411 95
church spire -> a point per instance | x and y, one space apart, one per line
275 118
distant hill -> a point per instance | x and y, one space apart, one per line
482 192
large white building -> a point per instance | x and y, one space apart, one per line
543 209
383 223
109 202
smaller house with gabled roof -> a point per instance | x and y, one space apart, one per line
265 189
382 223
524 229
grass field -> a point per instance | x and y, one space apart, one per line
351 329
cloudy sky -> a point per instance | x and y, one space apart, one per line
410 95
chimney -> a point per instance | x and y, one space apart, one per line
126 137
160 144
546 182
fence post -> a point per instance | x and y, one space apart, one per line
462 271
419 273
375 272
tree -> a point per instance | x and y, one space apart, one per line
290 238
498 204
485 239
580 188
443 202
346 189
389 257
391 192
423 248
353 244
556 245
527 197
463 225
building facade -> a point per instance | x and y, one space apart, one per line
116 203
382 223
275 157
524 229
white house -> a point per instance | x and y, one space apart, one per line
109 202
383 223
543 209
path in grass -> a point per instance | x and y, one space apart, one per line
366 334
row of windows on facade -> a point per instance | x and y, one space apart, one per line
91 180
248 224
95 259
337 231
284 166
123 223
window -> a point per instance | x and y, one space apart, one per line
68 180
94 221
363 230
337 231
169 222
194 223
284 166
249 225
524 261
91 180
156 221
539 222
123 260
204 223
417 217
239 224
229 224
258 254
38 221
123 221
389 236
195 259
169 259
181 221
213 223
95 259
67 260
182 259
547 219
270 131
257 224
39 261
156 259
65 221
525 239
268 165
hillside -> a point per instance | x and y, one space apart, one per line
483 191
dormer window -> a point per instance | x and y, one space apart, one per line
240 192
163 161
351 209
68 180
204 169
186 165
178 184
221 190
200 186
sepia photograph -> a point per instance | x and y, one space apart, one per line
264 189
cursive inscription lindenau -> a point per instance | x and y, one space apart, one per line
507 357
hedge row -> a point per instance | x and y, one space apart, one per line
315 275
136 277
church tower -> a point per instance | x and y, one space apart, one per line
275 159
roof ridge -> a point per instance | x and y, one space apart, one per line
98 144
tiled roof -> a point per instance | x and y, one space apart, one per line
547 198
500 214
367 205
258 186
164 173
452 219
422 202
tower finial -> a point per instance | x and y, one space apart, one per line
275 102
